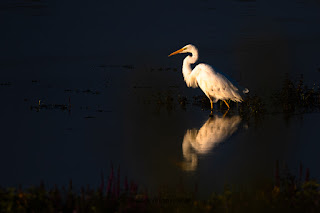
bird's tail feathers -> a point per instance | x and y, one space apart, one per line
245 91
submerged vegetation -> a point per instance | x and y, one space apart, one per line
294 97
286 193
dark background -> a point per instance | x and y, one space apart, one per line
259 39
50 47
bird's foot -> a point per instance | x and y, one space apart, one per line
211 114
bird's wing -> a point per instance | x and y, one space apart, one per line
215 84
191 80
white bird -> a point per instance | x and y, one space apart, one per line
215 85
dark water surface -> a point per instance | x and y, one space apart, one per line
108 92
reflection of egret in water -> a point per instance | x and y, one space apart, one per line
200 142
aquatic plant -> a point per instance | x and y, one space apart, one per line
286 193
296 96
165 99
252 105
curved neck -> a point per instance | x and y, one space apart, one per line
191 59
186 67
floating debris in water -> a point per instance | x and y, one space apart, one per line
87 91
41 106
89 117
126 66
130 67
102 110
50 106
8 83
160 69
142 87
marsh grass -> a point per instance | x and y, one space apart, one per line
297 97
294 97
286 193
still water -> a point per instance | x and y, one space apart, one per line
84 86
80 127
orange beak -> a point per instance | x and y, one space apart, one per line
176 52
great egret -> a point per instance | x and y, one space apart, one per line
215 85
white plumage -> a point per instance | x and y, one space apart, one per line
215 85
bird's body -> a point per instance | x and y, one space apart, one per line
214 85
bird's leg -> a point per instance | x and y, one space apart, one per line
226 104
224 115
211 113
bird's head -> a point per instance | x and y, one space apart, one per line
186 49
